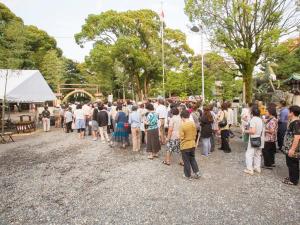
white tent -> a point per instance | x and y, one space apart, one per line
25 86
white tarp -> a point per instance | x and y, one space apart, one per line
25 86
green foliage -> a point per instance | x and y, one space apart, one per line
12 41
132 39
188 80
247 30
72 74
288 59
38 43
27 47
53 68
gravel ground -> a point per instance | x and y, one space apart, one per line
54 178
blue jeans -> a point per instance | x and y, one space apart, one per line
206 146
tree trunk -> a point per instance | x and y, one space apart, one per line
145 88
139 89
248 80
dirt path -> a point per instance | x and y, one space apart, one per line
54 178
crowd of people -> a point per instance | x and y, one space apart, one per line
183 126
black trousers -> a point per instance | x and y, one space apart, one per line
224 141
293 166
188 157
212 142
268 152
62 119
69 127
143 137
282 127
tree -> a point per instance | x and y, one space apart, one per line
288 60
73 74
12 41
187 80
53 68
12 48
133 39
37 43
248 30
21 46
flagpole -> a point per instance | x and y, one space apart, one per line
162 48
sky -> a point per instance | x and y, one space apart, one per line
64 18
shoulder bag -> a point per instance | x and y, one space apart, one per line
256 141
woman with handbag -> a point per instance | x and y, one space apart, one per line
224 128
256 142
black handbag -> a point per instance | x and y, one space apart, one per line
256 141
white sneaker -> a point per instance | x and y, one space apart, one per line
187 178
257 170
197 175
250 172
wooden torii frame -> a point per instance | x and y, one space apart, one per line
91 90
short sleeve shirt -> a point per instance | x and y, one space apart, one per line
256 123
152 120
68 116
293 129
162 111
283 115
272 125
175 123
79 114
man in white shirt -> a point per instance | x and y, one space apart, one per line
87 111
162 112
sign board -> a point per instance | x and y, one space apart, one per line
110 98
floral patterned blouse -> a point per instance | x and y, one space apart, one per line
271 124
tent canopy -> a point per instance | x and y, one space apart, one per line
26 86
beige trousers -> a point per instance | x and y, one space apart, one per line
162 133
103 134
136 139
46 124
